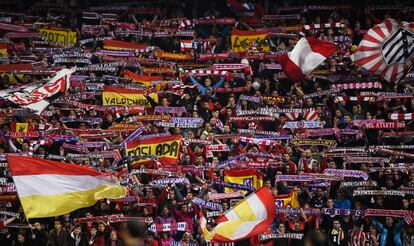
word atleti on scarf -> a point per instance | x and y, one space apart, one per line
378 193
259 141
252 118
180 226
327 143
234 186
302 124
346 173
264 237
218 196
384 125
305 178
359 184
210 205
357 86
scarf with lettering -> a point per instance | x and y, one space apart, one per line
378 193
346 173
302 124
252 118
180 226
359 184
169 110
264 237
322 93
209 205
234 186
322 142
218 196
257 141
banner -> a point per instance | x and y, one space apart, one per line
59 36
166 148
242 41
125 97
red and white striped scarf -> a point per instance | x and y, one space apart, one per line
207 72
258 141
397 116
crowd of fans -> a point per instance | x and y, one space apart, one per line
172 203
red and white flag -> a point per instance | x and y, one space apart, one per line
186 45
307 55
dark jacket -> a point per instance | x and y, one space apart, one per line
82 241
61 239
117 243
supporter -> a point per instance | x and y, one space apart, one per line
339 160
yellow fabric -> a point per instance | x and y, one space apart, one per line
256 181
127 99
292 200
241 43
21 127
4 52
59 36
40 206
228 228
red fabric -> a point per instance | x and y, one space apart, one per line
322 47
290 69
20 165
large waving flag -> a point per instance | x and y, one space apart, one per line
307 55
50 188
387 49
245 177
36 96
250 217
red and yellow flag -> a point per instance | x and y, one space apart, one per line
145 80
173 56
290 199
242 41
114 96
165 148
122 45
245 177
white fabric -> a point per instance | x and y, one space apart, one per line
303 56
28 185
